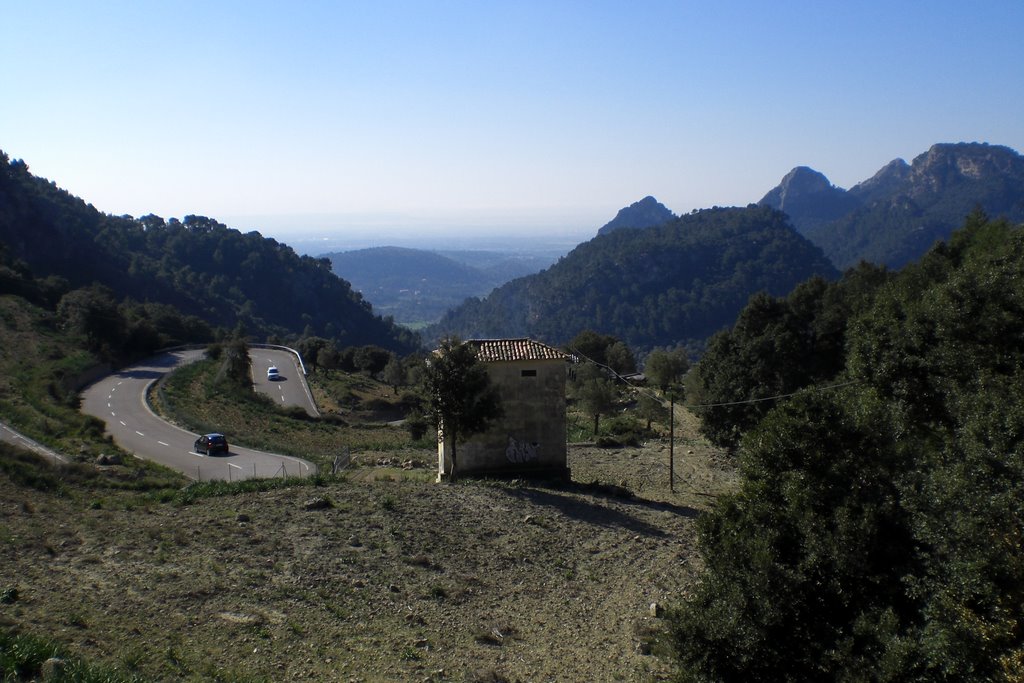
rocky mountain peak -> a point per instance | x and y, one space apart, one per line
885 182
809 198
896 215
945 162
646 213
803 180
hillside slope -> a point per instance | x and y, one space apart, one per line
519 583
678 282
198 265
416 285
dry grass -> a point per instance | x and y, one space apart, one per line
393 580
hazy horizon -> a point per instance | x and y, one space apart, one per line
535 116
319 242
515 231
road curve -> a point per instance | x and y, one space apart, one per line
120 400
290 389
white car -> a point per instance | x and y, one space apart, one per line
273 374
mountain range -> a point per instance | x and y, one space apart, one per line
679 281
896 215
651 285
649 277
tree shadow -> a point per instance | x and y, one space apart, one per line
150 368
140 374
568 501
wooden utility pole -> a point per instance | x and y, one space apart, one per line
672 443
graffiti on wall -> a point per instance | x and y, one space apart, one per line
522 451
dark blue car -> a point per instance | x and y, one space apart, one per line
211 443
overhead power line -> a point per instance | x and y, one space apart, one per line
650 393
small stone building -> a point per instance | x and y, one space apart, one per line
530 438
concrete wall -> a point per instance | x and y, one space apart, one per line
531 436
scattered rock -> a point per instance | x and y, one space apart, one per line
53 669
496 636
355 542
657 610
318 503
104 460
242 517
240 618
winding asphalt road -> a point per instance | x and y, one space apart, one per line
290 389
120 400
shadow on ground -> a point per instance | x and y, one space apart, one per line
566 499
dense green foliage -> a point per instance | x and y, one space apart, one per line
197 265
777 346
42 366
876 534
675 283
665 368
603 349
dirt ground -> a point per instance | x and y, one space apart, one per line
377 578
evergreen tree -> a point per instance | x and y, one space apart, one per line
461 399
876 534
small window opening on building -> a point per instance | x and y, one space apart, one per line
529 373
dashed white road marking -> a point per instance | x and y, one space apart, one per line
123 423
163 443
139 433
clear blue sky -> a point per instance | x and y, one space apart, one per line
278 116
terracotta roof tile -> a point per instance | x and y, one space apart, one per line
491 350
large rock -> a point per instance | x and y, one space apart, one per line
646 213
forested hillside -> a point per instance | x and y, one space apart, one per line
197 265
876 534
659 286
